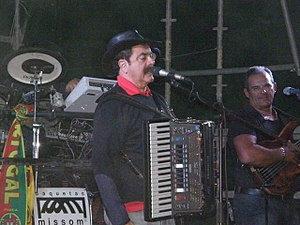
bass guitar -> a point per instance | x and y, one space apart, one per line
277 178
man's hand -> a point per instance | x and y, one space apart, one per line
292 152
130 223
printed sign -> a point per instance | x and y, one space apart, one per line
13 181
62 206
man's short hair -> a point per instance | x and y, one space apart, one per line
124 54
255 70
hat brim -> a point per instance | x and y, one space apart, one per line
109 55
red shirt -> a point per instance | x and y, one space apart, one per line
130 88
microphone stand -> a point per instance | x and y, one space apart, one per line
219 107
36 126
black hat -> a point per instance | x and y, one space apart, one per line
124 41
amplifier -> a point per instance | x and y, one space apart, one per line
86 93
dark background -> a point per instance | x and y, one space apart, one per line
80 30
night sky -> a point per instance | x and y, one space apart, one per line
79 30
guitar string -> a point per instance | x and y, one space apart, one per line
268 173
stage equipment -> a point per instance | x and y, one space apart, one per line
73 136
44 106
180 168
35 66
86 93
7 95
3 102
56 99
24 64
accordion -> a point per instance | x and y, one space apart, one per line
180 168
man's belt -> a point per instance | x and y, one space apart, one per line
248 191
259 192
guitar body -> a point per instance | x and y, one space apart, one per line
278 178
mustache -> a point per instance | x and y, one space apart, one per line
148 69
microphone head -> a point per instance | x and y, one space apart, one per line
155 71
287 90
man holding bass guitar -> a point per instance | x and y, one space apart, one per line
267 161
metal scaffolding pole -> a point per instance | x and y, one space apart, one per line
219 87
16 41
17 36
290 32
168 20
237 70
219 30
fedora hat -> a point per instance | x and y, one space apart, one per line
122 41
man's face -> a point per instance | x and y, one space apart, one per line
138 67
260 91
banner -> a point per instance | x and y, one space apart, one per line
65 205
16 181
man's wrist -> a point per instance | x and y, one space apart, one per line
283 153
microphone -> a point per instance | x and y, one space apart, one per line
158 72
291 91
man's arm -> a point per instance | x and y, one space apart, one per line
107 141
110 197
251 153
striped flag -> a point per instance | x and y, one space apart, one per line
16 181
